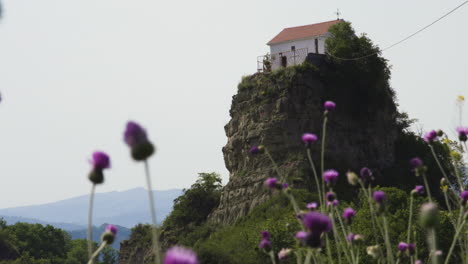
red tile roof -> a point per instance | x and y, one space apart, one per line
303 31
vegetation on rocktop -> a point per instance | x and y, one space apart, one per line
191 209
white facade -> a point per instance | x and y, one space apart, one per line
308 43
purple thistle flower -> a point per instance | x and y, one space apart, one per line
265 244
180 255
112 229
350 237
462 133
100 160
379 196
316 222
330 196
271 183
464 196
301 235
348 213
418 262
135 137
284 185
402 246
254 150
419 189
416 163
134 134
309 138
330 176
329 106
266 235
333 203
366 175
430 136
312 206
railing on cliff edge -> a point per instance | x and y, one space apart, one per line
269 62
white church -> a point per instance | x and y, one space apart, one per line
292 45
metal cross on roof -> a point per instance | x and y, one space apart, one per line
338 14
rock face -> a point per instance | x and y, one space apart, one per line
275 109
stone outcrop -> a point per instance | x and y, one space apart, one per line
275 109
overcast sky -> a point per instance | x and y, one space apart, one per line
72 73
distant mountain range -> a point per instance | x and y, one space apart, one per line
125 208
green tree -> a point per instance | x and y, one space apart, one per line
192 208
78 252
109 255
41 243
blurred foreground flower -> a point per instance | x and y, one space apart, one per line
136 138
180 255
329 105
462 133
309 138
430 136
330 176
99 161
141 149
316 224
107 238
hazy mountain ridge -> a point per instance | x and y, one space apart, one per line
124 208
11 220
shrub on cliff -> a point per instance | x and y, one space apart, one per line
192 208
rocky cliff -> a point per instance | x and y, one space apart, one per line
275 109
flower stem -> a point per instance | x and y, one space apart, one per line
439 164
275 166
309 156
96 253
338 237
308 256
457 233
154 229
431 240
272 256
427 187
387 240
409 220
327 240
90 219
457 174
295 208
322 152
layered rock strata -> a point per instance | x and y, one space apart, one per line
275 109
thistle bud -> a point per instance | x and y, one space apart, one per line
440 133
284 253
429 215
142 151
136 138
109 234
254 150
352 177
100 161
96 176
374 251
